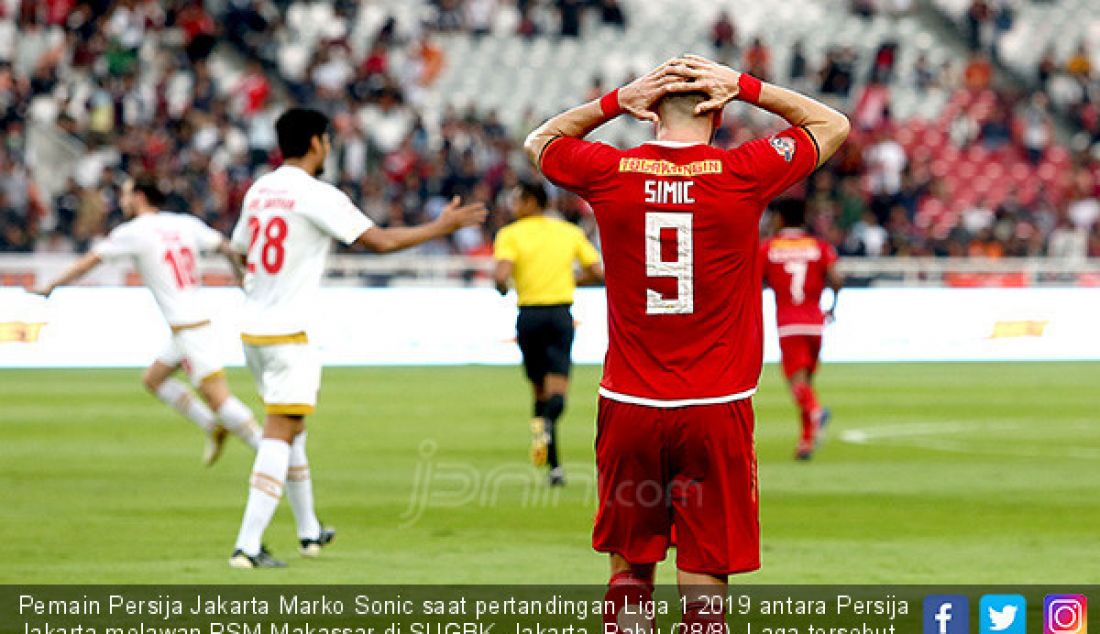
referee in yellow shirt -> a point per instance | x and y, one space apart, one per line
539 252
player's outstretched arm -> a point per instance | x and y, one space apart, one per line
502 272
836 282
236 260
591 275
454 217
828 127
79 269
634 99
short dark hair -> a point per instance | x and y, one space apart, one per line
680 103
792 211
147 186
296 128
533 189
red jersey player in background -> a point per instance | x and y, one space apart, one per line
679 223
798 266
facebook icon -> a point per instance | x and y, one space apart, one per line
946 614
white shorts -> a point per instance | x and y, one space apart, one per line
196 351
288 375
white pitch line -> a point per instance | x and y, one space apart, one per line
931 436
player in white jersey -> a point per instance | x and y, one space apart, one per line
287 225
164 247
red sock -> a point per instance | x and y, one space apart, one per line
805 397
807 427
807 402
699 619
625 588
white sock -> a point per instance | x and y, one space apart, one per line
175 394
265 489
299 490
237 418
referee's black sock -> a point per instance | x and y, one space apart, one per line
555 405
540 409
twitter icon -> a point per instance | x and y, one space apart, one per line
1003 614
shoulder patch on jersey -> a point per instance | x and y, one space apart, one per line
784 146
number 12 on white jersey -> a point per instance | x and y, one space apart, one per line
681 268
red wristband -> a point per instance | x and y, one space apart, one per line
609 103
749 88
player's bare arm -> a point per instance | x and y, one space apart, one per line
836 282
454 217
635 99
79 269
828 127
236 260
502 272
591 275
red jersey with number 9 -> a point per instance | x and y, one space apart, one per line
679 225
794 265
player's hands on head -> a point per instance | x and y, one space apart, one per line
456 215
701 74
637 97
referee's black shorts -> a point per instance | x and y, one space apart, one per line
545 336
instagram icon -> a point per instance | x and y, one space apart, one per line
1065 614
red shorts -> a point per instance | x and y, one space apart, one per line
685 471
800 352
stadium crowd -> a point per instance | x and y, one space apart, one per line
188 93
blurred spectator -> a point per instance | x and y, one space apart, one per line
430 58
1046 69
985 245
872 111
1002 18
868 238
570 11
1083 212
254 89
978 16
837 73
1079 65
882 66
448 15
527 26
924 75
977 218
798 70
724 36
758 59
1068 242
886 160
996 132
611 12
979 72
863 8
480 15
1038 128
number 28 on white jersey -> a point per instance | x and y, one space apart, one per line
285 231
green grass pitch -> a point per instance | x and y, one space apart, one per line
961 473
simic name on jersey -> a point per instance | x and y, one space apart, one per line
669 192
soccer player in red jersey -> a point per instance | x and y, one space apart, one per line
679 223
798 266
